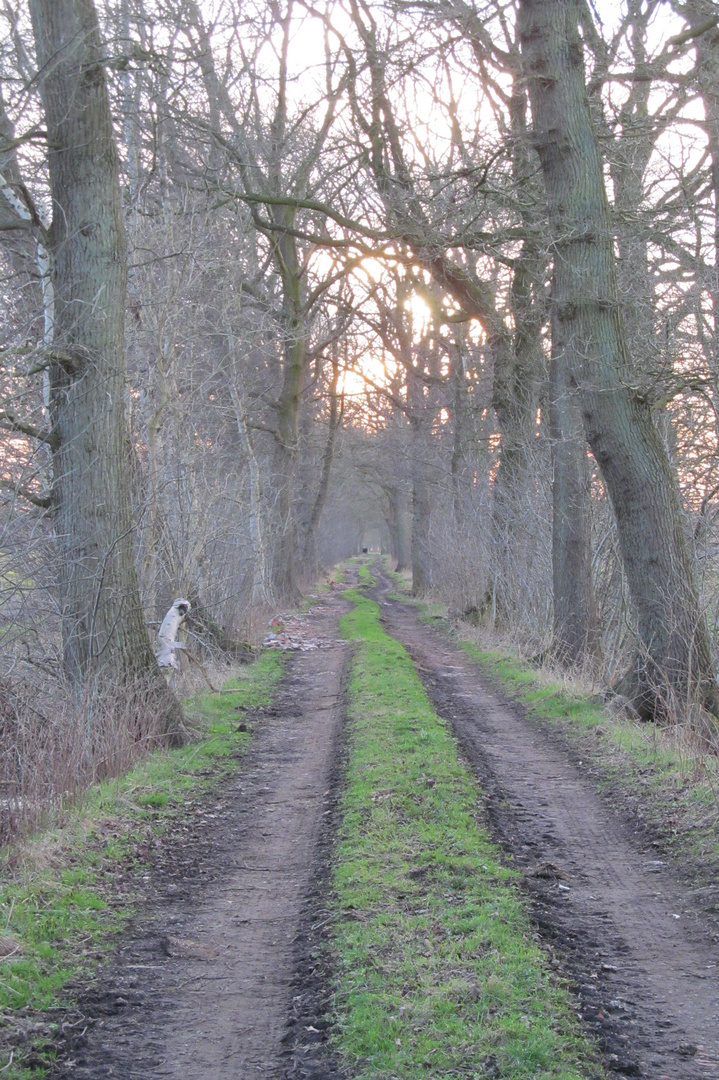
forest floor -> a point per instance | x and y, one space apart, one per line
226 970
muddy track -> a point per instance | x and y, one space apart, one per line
219 960
642 959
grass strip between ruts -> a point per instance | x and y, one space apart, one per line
437 972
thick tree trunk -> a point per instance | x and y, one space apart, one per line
421 498
401 515
284 572
519 370
459 435
260 593
421 513
102 621
575 626
312 525
518 367
675 664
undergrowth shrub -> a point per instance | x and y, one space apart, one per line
53 746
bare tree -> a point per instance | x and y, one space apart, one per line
103 627
676 662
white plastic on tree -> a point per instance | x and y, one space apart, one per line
167 637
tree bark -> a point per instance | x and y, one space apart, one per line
519 370
104 633
575 623
260 594
675 665
404 532
460 409
400 526
312 525
284 574
421 499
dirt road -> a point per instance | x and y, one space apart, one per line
642 956
202 987
217 979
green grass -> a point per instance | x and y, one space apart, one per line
437 973
66 904
364 575
335 577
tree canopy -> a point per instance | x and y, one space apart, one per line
438 279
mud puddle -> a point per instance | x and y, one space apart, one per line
642 959
219 960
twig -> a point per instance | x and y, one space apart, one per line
206 677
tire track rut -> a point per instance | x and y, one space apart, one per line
202 984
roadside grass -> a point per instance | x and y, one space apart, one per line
62 897
672 782
437 972
328 581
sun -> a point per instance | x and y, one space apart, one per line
421 315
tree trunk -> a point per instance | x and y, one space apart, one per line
103 628
675 664
519 364
284 574
283 577
460 437
403 529
421 501
335 420
519 370
421 511
575 626
399 523
261 591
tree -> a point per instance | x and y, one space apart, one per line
675 663
104 634
575 630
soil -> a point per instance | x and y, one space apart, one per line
619 920
221 974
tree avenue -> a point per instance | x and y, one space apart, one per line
438 280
